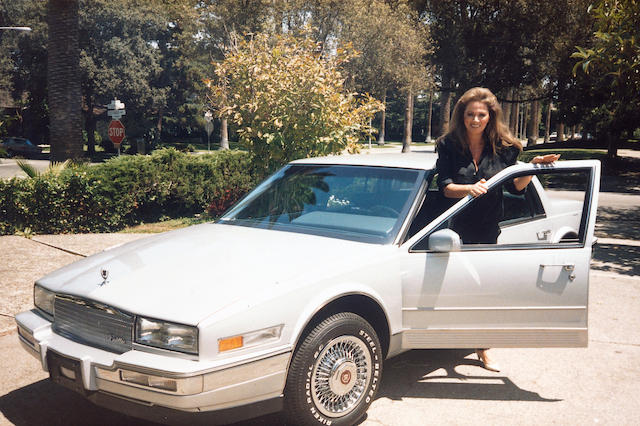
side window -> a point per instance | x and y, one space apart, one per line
552 210
521 207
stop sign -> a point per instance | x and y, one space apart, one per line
116 132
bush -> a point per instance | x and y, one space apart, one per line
124 191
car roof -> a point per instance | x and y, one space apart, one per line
423 160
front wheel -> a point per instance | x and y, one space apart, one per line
335 372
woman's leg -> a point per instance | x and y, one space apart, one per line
486 361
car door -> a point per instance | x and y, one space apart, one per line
527 291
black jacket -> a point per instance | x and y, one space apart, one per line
478 223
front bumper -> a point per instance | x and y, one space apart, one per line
169 381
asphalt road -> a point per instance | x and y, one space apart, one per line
9 168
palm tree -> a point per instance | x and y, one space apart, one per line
63 78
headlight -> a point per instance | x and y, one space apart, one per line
252 338
167 335
43 299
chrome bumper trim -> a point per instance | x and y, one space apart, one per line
201 387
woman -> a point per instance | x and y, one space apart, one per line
478 146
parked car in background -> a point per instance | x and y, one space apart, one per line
20 147
295 297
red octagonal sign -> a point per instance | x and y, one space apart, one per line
116 132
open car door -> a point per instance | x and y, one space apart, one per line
528 290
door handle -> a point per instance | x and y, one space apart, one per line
569 267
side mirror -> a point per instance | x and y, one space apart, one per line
444 241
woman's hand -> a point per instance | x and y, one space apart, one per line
545 159
478 188
521 182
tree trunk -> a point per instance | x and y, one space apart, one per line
408 122
429 116
612 144
159 123
445 111
90 126
523 121
513 119
560 137
63 81
532 128
507 108
547 123
224 134
383 119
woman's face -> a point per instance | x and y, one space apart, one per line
476 118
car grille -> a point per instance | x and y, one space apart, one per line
92 323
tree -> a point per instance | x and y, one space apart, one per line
393 45
504 45
226 20
288 100
613 61
138 53
63 76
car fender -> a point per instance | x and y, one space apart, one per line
561 232
327 296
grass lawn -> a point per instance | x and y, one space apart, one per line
566 154
166 225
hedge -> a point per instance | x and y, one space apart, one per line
124 191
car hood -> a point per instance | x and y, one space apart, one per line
190 274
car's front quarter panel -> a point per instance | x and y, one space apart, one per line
295 302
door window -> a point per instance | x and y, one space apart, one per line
551 211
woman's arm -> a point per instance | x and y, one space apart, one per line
521 182
456 190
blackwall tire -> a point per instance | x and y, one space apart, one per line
335 372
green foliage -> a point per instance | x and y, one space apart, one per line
53 169
288 100
123 191
611 63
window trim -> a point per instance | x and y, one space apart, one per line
584 218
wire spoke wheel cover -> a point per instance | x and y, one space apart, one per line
334 373
340 376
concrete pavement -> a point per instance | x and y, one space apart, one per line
595 385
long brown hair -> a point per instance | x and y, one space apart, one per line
496 133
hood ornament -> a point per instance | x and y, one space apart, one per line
105 277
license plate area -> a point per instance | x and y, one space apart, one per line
66 372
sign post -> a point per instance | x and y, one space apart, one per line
208 126
116 128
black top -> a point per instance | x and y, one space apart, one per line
478 223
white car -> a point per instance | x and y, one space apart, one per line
295 297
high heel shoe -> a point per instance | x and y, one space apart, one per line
488 365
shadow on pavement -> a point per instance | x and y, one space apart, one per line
621 259
44 403
623 223
406 376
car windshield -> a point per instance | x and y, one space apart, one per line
351 202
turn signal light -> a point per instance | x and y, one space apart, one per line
229 343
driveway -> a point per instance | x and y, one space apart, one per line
595 385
